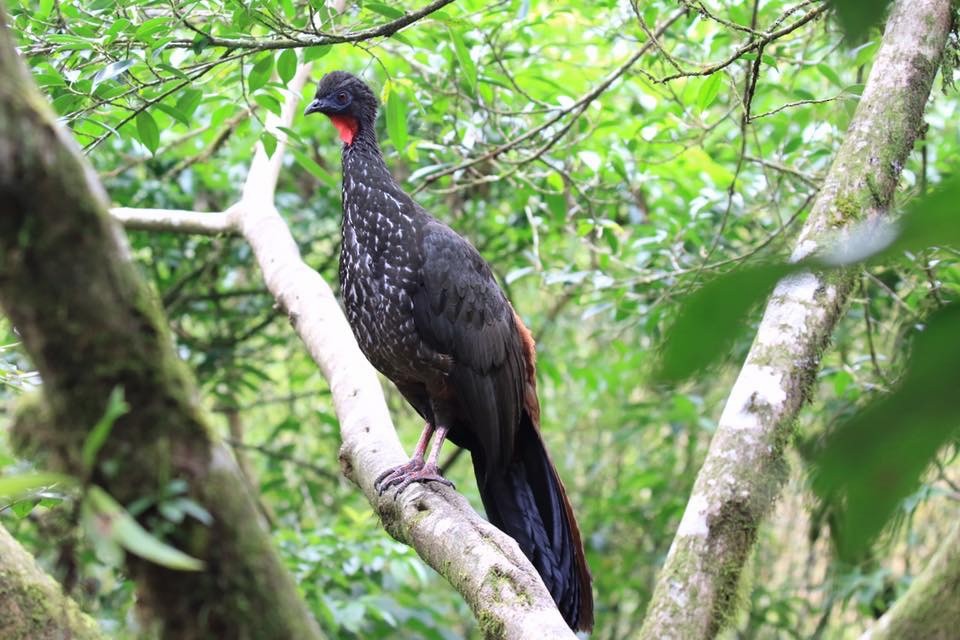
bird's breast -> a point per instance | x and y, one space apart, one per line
379 268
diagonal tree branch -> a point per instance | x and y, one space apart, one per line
32 604
482 563
697 590
931 606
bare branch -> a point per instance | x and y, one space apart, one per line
254 44
199 222
753 45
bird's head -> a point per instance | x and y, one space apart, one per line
347 101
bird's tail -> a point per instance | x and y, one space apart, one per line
528 503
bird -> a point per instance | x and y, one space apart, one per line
428 313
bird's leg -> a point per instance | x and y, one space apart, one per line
428 471
388 477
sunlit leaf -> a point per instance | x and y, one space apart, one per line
287 65
467 66
260 73
147 131
269 142
709 90
150 28
396 118
15 487
111 71
384 9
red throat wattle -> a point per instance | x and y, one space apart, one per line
346 126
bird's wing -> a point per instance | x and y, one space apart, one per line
460 311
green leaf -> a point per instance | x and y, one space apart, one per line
396 118
151 27
384 9
116 407
105 517
111 71
858 17
709 90
712 317
294 135
875 459
43 10
188 101
287 65
315 53
466 62
310 165
933 220
268 102
13 488
269 142
831 75
147 131
261 71
173 113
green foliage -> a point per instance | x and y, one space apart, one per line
858 17
893 439
21 485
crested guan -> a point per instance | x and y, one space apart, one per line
428 314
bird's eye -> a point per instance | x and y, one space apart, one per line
342 97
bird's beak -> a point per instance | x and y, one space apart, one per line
313 107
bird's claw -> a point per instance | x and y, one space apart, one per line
407 474
389 477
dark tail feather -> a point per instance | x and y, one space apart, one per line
528 503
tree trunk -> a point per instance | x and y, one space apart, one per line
32 604
697 591
91 325
930 609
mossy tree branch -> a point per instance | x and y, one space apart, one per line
743 473
32 604
930 608
91 325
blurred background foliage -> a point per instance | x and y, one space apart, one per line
705 151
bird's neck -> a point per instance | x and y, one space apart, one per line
370 193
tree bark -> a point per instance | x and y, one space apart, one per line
697 591
930 609
32 604
91 324
485 565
